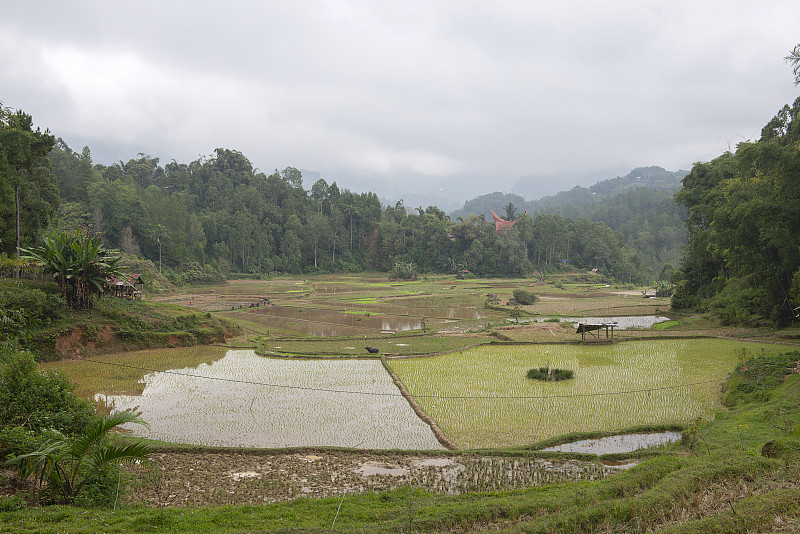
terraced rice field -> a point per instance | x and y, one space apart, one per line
244 400
482 398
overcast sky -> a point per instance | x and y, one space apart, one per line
451 98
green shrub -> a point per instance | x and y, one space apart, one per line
16 440
782 447
550 375
196 274
739 304
41 305
12 503
39 400
403 270
101 488
523 297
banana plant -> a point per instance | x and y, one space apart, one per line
79 263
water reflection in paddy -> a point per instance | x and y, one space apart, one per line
622 322
618 444
236 407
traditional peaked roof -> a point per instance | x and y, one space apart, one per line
500 223
128 279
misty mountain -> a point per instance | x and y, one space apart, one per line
654 177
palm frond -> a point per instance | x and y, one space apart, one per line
100 429
132 452
794 59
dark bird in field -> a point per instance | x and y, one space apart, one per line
372 350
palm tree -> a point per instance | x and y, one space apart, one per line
794 59
66 465
511 211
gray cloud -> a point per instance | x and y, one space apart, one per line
464 96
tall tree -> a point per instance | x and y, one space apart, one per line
744 222
24 167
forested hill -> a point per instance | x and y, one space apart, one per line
574 201
639 206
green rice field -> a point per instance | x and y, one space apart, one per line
482 398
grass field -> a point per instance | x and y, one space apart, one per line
482 398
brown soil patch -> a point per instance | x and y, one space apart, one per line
71 344
74 344
217 478
106 334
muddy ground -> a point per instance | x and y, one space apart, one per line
214 478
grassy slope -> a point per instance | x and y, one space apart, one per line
716 481
112 325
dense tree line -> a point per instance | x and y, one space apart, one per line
743 258
218 216
434 243
28 190
216 211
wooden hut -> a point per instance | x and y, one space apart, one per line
128 286
594 331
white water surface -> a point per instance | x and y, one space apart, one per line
244 400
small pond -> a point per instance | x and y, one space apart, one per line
244 400
618 444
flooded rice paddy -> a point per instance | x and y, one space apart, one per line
244 400
622 322
478 397
618 444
